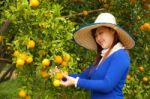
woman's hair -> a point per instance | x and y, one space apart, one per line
99 48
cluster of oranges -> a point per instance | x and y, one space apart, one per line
144 79
141 69
45 63
63 61
22 58
58 78
145 26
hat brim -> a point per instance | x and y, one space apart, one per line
83 36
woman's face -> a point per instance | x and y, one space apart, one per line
104 37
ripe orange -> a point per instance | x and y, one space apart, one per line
65 72
64 63
44 74
66 57
34 3
45 62
56 83
22 93
16 53
145 79
29 59
85 13
146 26
58 59
20 62
128 77
141 69
27 97
142 27
133 1
1 38
31 44
23 56
59 75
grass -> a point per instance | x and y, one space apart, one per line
9 89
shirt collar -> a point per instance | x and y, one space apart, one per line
117 47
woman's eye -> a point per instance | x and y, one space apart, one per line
99 33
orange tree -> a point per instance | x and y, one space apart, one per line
40 38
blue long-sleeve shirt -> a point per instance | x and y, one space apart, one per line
107 81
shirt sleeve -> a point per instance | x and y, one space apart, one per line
116 70
83 75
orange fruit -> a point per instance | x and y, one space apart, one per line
56 83
65 72
128 77
85 13
66 57
31 44
22 93
29 59
16 53
45 62
64 63
20 62
44 74
59 75
23 56
141 69
1 38
34 3
58 59
145 79
146 26
133 1
142 27
27 97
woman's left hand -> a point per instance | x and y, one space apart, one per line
70 81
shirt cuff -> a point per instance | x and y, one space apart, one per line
76 81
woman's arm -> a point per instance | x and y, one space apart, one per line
116 70
83 74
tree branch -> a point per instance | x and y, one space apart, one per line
7 75
5 26
5 60
81 13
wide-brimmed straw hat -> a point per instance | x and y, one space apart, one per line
83 36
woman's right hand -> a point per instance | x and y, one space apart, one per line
54 71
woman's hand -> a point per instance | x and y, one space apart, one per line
54 71
70 81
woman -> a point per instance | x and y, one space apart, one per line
106 77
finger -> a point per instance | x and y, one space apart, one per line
50 72
56 69
63 83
